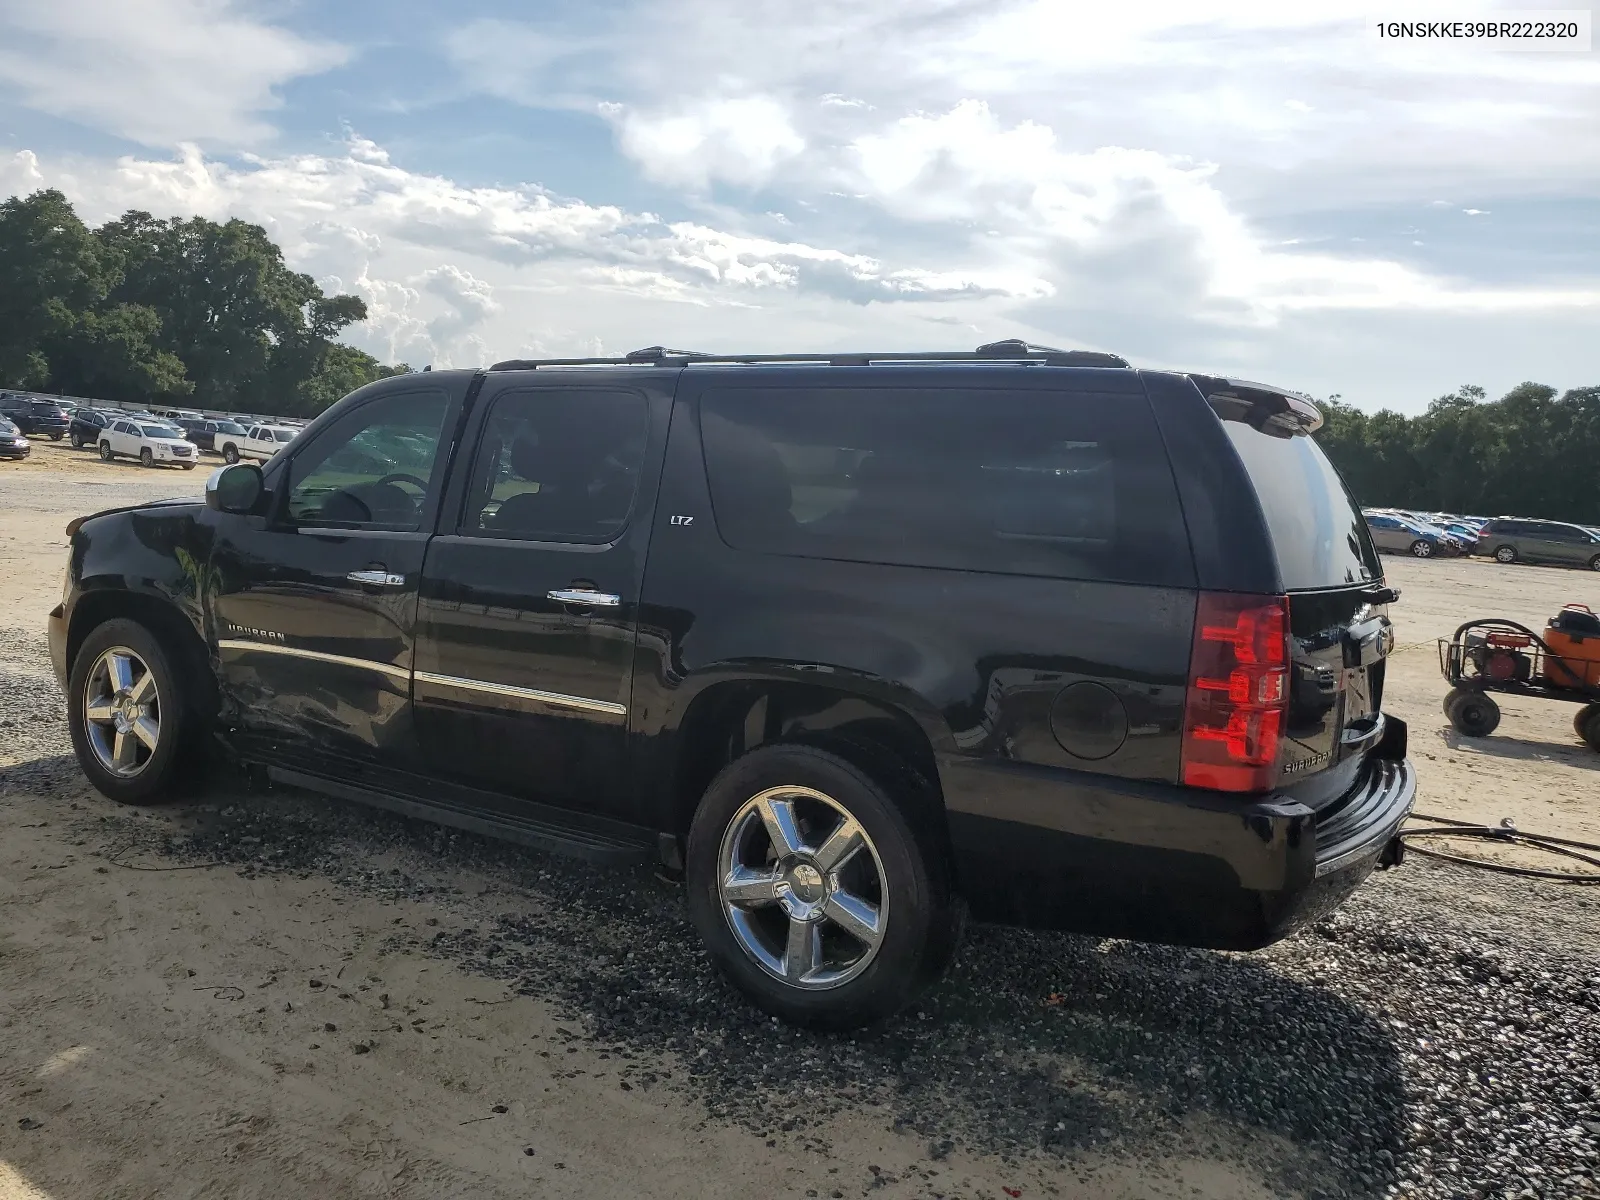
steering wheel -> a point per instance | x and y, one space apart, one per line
401 477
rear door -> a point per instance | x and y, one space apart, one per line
530 594
1340 632
1386 533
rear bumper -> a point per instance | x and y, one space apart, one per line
1158 863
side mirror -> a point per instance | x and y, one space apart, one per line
236 489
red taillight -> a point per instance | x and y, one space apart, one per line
1238 692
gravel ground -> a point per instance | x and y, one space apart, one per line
1416 1043
1439 1036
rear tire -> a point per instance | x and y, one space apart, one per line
1594 563
1421 548
1587 724
230 454
816 969
55 437
1474 714
111 726
105 452
1506 554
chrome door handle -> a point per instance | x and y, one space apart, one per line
377 578
584 596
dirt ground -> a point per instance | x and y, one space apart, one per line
260 993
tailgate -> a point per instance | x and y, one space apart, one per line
1340 632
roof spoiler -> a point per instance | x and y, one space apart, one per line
1272 410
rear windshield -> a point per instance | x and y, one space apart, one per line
1317 531
1029 482
229 427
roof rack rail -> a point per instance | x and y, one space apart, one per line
1012 350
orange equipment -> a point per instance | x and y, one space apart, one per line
1573 638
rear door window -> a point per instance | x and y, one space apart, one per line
1072 485
558 466
1318 534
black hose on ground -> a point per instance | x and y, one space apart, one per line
1507 834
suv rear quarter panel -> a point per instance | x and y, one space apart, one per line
976 660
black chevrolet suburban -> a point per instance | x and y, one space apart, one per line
859 643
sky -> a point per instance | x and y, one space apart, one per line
1245 188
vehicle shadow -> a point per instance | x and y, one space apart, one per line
1034 1043
1572 754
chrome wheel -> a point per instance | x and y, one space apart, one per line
803 888
122 712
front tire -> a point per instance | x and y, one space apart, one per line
1474 714
1594 563
823 900
1422 548
187 466
147 457
128 713
1506 554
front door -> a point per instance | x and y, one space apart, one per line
529 599
315 605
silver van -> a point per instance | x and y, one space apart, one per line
1515 539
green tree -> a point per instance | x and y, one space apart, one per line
51 271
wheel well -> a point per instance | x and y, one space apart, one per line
169 626
729 720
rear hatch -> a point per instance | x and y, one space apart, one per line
1339 628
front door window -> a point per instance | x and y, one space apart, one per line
374 469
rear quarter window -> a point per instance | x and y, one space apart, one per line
1070 485
1318 534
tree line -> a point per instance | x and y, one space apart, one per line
190 311
178 311
1530 453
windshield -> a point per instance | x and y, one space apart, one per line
160 431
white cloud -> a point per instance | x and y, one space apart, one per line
154 71
435 259
1114 211
741 140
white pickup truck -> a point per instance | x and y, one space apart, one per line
259 441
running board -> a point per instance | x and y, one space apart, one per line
562 839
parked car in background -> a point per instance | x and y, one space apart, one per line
42 418
153 443
1399 535
259 441
206 433
12 443
86 426
1519 539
